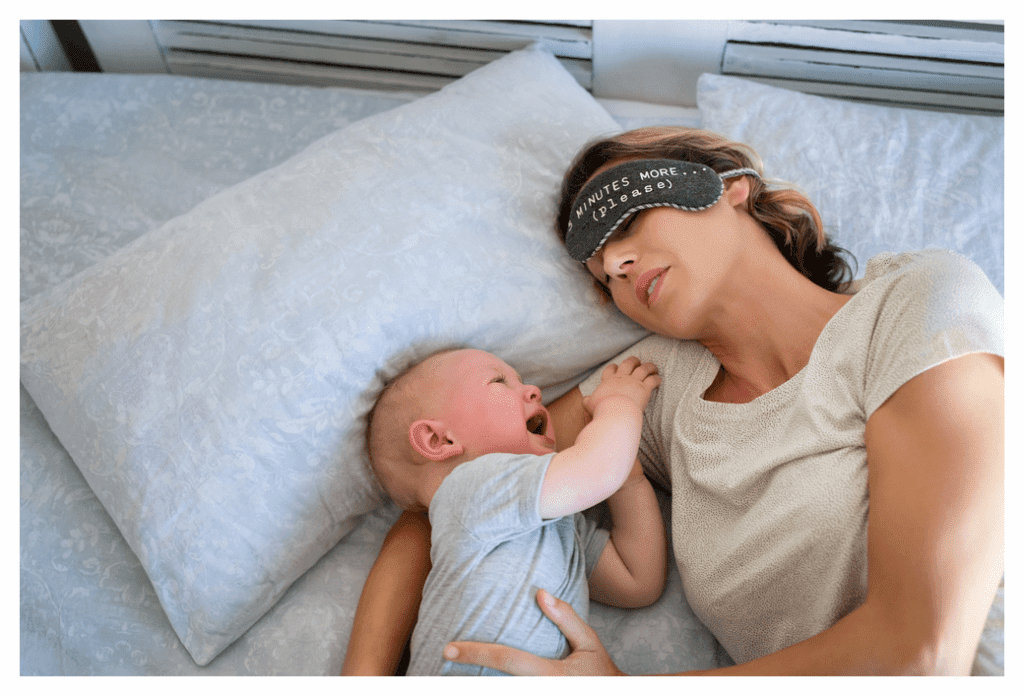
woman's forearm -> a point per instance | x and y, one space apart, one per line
862 643
867 641
390 599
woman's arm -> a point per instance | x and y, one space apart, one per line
935 524
935 543
390 600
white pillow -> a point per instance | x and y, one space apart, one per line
210 378
883 178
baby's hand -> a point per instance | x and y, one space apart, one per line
630 379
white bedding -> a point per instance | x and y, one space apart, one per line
107 158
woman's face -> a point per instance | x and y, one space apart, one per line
666 269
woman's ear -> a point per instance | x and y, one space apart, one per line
430 438
737 190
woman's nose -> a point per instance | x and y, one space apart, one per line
618 259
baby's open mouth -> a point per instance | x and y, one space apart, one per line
537 423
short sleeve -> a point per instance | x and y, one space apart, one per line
495 497
592 540
936 306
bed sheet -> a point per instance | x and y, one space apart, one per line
105 159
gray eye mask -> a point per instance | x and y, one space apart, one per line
612 196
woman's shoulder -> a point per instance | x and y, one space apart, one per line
934 282
926 266
915 310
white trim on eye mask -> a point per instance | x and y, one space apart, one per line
639 185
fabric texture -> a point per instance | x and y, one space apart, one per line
109 157
92 146
105 158
769 498
490 553
209 379
882 178
611 196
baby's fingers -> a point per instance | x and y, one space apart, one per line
625 367
642 371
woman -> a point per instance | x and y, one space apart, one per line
786 406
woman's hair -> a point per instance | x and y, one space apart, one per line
789 217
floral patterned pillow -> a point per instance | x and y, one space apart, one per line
210 379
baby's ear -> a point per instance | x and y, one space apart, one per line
430 438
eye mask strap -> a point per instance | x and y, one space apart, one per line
612 196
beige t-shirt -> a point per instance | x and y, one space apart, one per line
770 498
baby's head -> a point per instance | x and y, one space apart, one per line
452 407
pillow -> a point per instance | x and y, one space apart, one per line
210 378
882 178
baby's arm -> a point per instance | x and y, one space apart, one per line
599 462
631 570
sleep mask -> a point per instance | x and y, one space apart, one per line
613 195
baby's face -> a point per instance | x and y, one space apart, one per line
484 402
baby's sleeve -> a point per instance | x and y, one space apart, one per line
592 540
493 498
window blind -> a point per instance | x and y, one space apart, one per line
394 54
923 64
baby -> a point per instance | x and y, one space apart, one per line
461 436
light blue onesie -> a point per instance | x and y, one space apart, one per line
490 553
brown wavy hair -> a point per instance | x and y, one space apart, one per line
786 214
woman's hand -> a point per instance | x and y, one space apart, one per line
588 657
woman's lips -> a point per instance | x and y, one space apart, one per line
643 284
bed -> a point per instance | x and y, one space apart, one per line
217 275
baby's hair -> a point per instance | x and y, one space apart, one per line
385 431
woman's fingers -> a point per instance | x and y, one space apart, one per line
576 631
588 655
501 658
